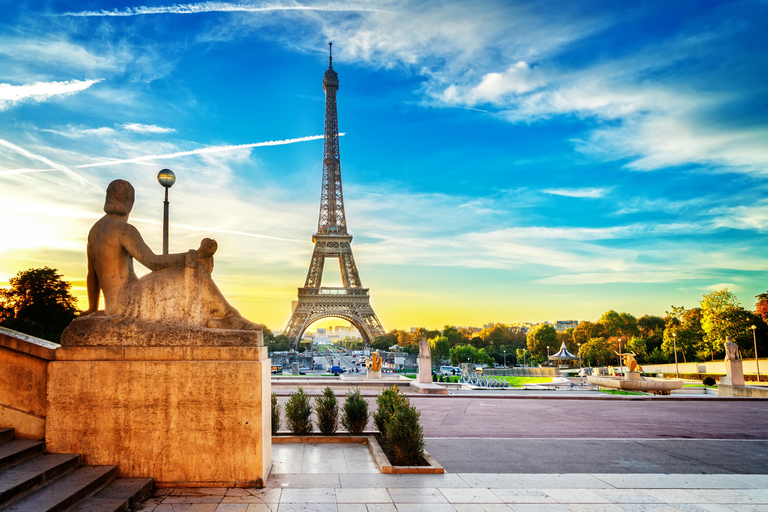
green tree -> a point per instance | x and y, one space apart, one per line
454 336
383 342
38 303
585 331
596 351
440 348
720 311
638 347
539 338
620 325
464 353
684 330
652 329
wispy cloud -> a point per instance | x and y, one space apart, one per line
147 128
204 7
32 156
590 193
40 91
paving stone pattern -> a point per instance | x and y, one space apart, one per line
347 485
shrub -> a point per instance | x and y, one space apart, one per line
355 416
405 436
385 402
298 413
275 414
327 412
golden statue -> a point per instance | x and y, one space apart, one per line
630 362
375 362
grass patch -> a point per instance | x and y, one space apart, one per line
410 375
518 382
621 392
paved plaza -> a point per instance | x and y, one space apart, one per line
338 478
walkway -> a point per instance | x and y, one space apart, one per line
343 482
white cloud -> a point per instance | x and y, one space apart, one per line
591 193
147 128
40 91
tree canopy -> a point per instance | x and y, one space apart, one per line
38 303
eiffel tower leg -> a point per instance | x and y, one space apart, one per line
315 273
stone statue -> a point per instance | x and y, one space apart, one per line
165 307
734 371
732 351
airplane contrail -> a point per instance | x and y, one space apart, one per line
204 7
140 159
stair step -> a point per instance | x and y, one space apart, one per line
120 495
19 479
65 492
6 434
19 450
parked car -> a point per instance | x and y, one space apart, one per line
303 370
445 371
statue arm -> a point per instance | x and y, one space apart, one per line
92 285
134 244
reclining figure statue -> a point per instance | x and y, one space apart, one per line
173 304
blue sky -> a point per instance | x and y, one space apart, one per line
502 161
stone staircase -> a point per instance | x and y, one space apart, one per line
34 481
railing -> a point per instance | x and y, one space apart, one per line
358 292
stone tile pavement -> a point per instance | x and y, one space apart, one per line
343 478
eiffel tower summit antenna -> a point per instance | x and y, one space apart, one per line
350 302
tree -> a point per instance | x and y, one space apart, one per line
686 327
638 347
539 338
384 341
38 303
454 336
761 308
652 329
464 353
719 309
597 351
440 348
585 331
620 325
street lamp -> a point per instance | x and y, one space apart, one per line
620 365
547 355
166 178
505 357
757 364
674 344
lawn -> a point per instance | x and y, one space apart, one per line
516 382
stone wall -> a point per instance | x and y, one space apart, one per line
744 391
23 379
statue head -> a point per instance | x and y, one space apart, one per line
120 197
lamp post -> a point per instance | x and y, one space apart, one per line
757 364
674 344
620 365
547 355
166 178
505 358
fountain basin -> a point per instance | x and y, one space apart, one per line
633 381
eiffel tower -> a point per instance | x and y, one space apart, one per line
350 302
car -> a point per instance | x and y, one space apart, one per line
303 370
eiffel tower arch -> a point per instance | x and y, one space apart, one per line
350 302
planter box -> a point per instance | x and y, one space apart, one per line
378 454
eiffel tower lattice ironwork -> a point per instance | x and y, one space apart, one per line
350 302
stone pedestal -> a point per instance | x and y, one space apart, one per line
185 416
425 369
374 374
734 373
633 376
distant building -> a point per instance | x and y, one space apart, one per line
564 325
